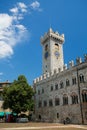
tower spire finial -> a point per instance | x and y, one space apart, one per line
50 30
50 27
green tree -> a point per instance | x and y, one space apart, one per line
18 97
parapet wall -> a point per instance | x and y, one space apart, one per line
70 66
52 34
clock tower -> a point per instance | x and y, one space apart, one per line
52 57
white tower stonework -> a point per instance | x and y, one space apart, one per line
52 51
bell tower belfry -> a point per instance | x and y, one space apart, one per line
52 56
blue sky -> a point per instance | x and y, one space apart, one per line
23 22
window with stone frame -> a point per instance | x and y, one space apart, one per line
73 80
67 82
46 47
45 103
65 100
38 92
74 97
57 101
50 103
57 115
84 95
40 104
61 84
51 87
81 78
42 90
57 46
56 86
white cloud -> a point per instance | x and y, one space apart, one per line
5 50
11 31
10 35
14 10
19 8
18 11
35 6
5 21
22 5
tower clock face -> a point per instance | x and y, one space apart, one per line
56 53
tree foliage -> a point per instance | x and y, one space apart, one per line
18 97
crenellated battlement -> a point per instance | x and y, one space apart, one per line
56 71
52 34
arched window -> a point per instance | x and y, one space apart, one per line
51 87
81 78
84 95
57 101
40 104
42 90
73 80
46 47
61 84
45 103
67 82
56 46
50 103
56 86
38 92
74 97
65 100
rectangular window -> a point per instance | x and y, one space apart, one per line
57 115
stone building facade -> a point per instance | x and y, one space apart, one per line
2 85
61 91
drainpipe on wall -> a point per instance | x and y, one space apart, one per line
79 91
